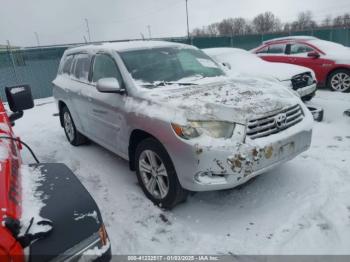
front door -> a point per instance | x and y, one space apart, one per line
106 114
298 55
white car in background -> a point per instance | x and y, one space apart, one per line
239 61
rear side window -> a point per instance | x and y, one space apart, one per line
82 66
67 65
105 67
277 49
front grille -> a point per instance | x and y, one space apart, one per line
275 123
302 80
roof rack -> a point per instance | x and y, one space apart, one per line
300 37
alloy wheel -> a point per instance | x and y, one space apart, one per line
153 174
68 126
340 82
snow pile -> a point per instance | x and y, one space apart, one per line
32 199
226 99
95 253
83 216
17 90
301 207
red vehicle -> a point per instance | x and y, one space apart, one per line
71 219
330 61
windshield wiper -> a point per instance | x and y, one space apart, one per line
166 83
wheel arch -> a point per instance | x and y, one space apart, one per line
61 105
136 137
336 69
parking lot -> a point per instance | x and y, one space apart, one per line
301 207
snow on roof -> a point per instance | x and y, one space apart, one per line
224 50
300 37
127 46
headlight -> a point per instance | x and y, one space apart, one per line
215 129
310 81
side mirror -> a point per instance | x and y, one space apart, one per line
19 98
227 64
109 85
313 54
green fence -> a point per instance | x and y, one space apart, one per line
38 66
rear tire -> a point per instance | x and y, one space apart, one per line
73 135
157 176
339 81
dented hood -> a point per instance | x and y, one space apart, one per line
227 100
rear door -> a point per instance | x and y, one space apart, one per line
273 53
79 87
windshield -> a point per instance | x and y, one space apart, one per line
169 64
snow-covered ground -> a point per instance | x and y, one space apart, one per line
301 207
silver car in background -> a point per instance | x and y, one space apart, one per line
298 78
182 123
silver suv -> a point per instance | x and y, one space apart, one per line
173 113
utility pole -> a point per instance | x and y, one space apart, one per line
149 32
188 26
88 28
142 36
37 38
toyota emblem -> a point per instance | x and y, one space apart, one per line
281 120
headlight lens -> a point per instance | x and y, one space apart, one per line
215 129
310 81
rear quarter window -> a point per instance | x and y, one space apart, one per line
263 50
82 66
67 64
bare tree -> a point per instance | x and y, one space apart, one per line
266 22
225 27
327 22
213 29
199 32
233 26
287 27
304 22
343 20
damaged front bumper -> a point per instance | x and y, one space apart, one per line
248 161
215 167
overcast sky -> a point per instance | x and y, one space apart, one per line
62 21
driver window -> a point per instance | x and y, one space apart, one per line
105 67
300 49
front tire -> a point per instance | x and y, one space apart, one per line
339 81
73 135
157 176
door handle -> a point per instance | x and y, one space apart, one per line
89 98
99 111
